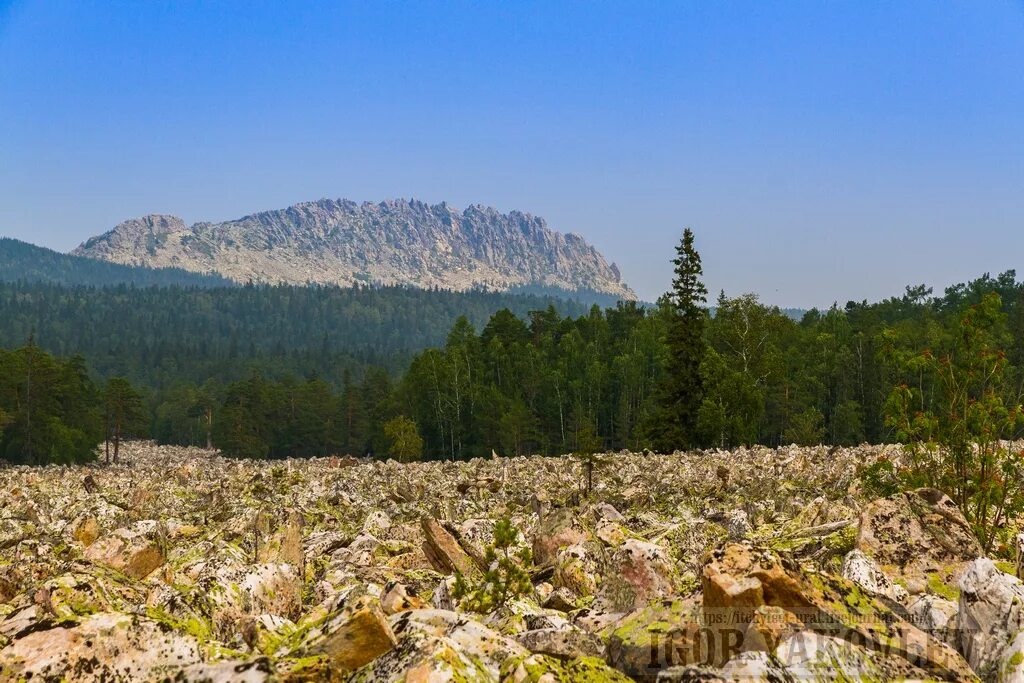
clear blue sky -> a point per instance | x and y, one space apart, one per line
820 150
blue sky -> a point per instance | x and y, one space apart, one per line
821 151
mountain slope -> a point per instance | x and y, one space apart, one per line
24 262
395 242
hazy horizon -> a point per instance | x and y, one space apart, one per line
820 152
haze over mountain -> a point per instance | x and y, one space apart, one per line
394 242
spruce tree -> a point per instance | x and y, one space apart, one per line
673 423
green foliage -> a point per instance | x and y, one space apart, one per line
957 419
403 438
292 371
807 428
681 390
124 416
505 577
881 479
260 418
23 262
48 408
163 336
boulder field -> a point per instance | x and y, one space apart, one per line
745 565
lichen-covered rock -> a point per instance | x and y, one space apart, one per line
395 598
865 572
101 647
352 637
136 552
577 568
639 572
919 537
740 579
485 646
557 529
991 616
443 551
936 616
566 643
246 671
661 635
539 668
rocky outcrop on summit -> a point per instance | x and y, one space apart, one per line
395 242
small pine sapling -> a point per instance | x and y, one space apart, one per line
505 577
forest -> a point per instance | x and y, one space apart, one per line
261 371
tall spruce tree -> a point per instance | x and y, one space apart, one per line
673 423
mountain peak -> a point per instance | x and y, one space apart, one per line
395 241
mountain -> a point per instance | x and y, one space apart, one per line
394 242
24 262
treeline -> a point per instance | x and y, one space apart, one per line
555 384
539 382
49 408
24 262
161 337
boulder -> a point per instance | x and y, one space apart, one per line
991 615
639 572
935 616
920 537
865 572
808 654
539 668
565 643
557 529
443 551
660 635
352 637
136 552
395 598
101 647
577 568
438 645
86 530
740 579
561 599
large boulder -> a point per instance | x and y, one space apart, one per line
919 537
639 572
443 551
137 551
557 529
438 645
351 637
101 647
740 579
577 568
991 617
660 635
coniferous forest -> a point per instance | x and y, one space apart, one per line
274 372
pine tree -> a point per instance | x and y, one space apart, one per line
673 423
124 414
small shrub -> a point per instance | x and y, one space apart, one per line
505 577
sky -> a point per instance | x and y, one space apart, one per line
821 151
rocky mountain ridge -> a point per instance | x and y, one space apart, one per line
747 565
394 242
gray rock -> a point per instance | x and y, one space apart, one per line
565 643
991 616
344 243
